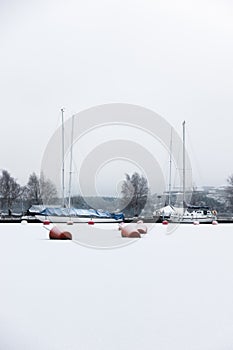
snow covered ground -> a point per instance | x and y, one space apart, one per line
165 291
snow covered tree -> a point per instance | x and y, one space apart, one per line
134 193
33 189
10 190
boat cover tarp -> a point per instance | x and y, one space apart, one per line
36 209
81 212
166 211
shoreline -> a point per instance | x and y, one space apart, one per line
220 220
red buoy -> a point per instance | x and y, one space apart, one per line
141 227
130 231
132 234
91 222
165 222
46 222
56 233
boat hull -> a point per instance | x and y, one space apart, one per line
188 220
76 219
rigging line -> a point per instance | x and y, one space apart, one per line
63 158
170 169
74 171
177 170
71 160
194 157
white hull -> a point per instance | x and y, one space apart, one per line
193 218
191 221
76 219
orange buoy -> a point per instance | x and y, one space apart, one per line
141 227
130 231
65 235
56 233
121 225
132 234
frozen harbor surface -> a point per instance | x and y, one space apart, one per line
165 291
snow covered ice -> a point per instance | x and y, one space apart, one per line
165 291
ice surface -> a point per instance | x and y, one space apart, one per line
165 292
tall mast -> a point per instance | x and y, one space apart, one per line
183 163
71 160
170 171
63 158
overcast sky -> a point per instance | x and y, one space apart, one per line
174 57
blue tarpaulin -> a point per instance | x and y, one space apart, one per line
81 212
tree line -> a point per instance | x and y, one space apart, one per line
37 190
142 201
135 195
40 190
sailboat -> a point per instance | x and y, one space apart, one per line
68 214
165 212
189 213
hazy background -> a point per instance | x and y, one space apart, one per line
174 57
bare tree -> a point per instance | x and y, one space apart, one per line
48 190
134 193
10 190
33 189
40 190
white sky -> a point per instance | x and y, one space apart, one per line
174 57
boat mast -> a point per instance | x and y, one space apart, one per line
183 163
63 159
71 160
170 171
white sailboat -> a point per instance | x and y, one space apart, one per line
68 214
165 212
194 215
189 213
